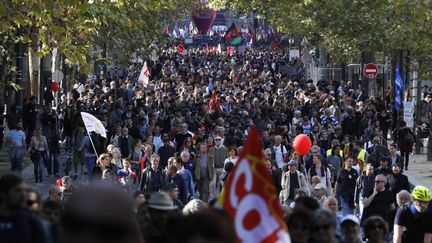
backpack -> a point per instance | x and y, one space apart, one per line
409 137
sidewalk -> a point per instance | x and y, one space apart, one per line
28 174
419 171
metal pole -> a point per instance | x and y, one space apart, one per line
91 141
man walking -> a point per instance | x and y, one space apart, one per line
16 140
204 172
380 202
219 153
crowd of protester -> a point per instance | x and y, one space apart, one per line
173 142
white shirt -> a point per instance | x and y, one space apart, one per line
79 87
157 142
234 161
279 155
357 168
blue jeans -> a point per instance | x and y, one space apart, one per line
16 156
346 207
38 167
68 141
90 163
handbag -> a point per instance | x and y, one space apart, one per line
35 155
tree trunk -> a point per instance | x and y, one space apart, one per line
34 63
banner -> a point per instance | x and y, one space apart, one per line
409 113
250 199
92 124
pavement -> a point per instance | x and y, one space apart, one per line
419 171
28 174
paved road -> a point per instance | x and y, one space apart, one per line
28 174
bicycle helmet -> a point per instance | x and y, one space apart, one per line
421 193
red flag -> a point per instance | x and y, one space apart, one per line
167 30
214 51
250 199
181 49
276 45
214 104
230 51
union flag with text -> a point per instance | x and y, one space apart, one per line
250 199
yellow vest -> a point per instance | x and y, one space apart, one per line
329 151
362 154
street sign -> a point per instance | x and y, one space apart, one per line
370 71
58 76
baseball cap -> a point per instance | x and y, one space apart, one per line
292 163
319 186
350 217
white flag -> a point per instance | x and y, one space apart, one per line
144 75
219 48
93 124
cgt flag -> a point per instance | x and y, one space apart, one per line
92 124
250 199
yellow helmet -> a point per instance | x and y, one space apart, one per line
421 193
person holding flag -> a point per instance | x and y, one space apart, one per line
250 193
214 105
233 36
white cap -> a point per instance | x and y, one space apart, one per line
352 218
319 186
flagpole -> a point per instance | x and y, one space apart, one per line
91 141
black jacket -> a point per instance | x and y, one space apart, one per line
146 184
398 182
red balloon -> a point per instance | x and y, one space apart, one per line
302 144
54 86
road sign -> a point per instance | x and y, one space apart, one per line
370 71
58 76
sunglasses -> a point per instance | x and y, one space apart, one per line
378 181
217 139
376 226
423 203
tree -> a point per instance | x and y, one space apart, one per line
75 28
346 28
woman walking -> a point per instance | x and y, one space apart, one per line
38 150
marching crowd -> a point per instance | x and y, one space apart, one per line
173 141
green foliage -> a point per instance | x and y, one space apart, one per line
345 28
75 27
